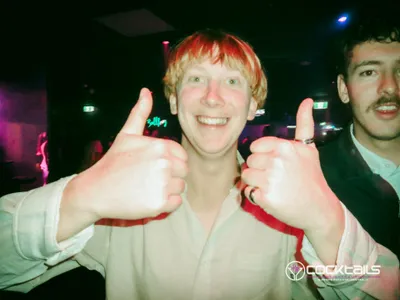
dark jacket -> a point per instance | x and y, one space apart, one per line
371 199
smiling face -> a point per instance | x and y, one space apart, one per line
372 88
213 103
214 83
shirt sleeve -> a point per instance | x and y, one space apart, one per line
28 226
364 268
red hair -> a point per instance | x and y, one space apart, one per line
222 48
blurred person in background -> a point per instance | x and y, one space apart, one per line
42 155
93 152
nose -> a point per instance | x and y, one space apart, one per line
213 95
390 84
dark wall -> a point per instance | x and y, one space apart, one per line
106 72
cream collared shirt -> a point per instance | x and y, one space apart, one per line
244 256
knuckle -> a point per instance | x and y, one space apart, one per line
159 146
180 168
171 143
245 175
285 146
276 162
162 163
250 160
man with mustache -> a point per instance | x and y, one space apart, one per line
362 165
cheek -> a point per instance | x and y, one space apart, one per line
189 96
236 99
241 107
358 106
193 91
362 96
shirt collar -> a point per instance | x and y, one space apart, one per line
378 164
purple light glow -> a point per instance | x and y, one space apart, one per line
165 42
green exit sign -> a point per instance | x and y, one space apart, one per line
89 108
321 105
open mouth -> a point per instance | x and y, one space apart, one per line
388 110
212 121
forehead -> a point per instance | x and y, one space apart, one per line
211 65
385 52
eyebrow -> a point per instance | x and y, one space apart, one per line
370 63
366 63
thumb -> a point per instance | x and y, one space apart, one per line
304 120
140 112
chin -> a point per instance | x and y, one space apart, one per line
214 148
385 136
384 133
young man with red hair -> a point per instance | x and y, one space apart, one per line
192 234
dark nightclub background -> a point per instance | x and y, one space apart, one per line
58 60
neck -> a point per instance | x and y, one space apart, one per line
210 178
388 149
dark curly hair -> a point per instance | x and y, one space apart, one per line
367 27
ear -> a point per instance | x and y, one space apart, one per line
172 104
342 89
252 109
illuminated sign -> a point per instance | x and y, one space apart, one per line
260 112
321 105
156 122
88 108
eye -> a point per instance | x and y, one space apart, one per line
367 73
195 79
233 81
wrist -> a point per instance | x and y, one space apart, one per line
327 235
330 221
76 212
77 199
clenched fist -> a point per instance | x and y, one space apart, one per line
138 177
288 180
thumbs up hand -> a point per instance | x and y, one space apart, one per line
286 180
139 176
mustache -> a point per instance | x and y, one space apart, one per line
386 100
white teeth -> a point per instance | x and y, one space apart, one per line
387 107
212 121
